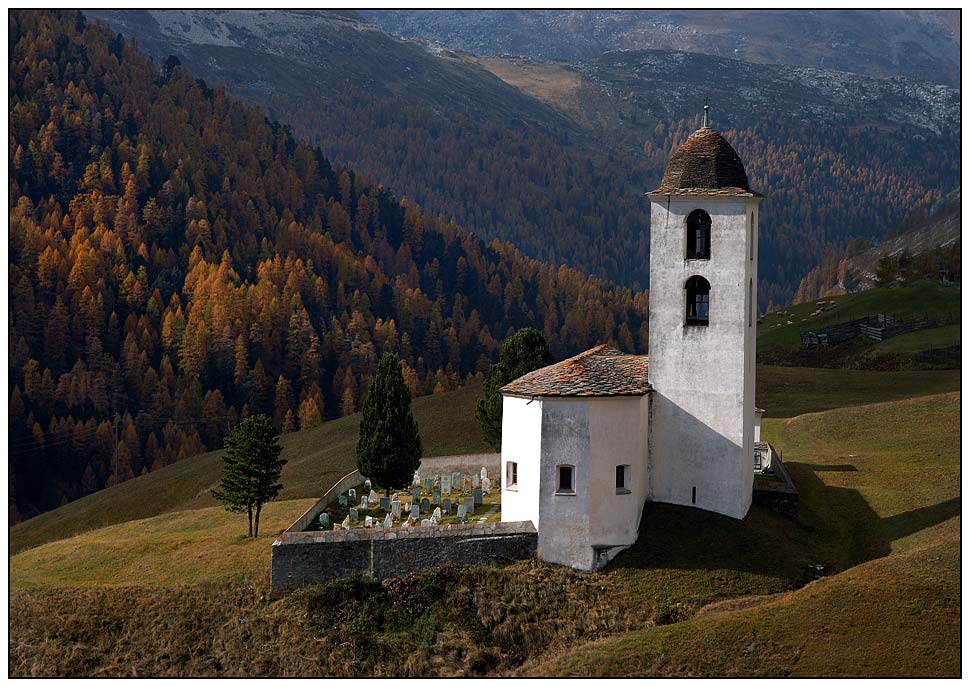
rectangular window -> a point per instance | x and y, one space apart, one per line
511 475
693 494
566 480
622 479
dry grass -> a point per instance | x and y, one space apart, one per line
895 616
549 83
182 548
880 509
880 498
317 459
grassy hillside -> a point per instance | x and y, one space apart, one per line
775 334
320 456
878 483
316 459
863 473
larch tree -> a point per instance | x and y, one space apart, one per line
389 448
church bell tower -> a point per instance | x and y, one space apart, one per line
703 322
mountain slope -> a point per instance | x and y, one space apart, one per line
923 45
177 262
925 244
562 173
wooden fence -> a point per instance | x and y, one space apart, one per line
878 327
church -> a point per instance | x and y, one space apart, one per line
588 441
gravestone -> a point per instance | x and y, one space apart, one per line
445 484
435 498
456 480
396 509
415 494
470 504
417 480
434 520
385 503
388 522
437 514
484 472
415 509
477 495
426 523
462 512
446 506
487 485
346 523
352 495
425 505
475 481
406 524
367 485
372 497
368 521
363 503
324 520
428 484
342 499
353 514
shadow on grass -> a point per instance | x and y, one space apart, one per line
835 527
833 468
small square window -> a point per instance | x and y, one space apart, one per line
566 480
622 479
511 475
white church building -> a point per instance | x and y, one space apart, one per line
587 441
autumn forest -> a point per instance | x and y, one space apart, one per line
177 263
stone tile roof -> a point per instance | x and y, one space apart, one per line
705 164
600 371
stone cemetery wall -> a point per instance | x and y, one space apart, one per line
301 558
471 462
352 480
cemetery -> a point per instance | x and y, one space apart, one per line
455 498
451 512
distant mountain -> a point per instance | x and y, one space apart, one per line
916 44
556 156
924 244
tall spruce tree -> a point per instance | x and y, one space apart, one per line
251 469
523 352
389 447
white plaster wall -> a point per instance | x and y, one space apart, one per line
702 405
618 436
521 436
594 435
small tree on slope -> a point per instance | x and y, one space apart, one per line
523 352
251 469
389 447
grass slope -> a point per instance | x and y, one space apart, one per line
921 297
317 458
880 506
878 483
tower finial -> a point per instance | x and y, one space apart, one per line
706 111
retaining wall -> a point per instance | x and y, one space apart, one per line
301 558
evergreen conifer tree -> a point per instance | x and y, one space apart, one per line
251 469
389 447
523 352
